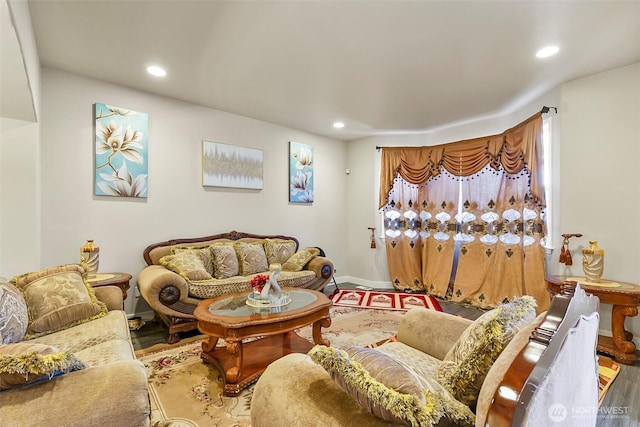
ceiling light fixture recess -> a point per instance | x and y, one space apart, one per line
154 70
338 125
547 51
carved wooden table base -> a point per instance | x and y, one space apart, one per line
255 340
625 300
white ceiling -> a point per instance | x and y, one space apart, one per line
379 66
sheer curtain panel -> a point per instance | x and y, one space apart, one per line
463 220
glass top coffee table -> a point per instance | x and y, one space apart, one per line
255 337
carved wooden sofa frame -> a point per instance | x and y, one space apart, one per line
167 293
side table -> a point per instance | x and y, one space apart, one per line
625 300
120 280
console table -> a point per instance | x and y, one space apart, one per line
625 300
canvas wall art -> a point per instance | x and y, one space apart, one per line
225 165
300 173
121 155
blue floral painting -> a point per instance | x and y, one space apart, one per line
121 156
300 173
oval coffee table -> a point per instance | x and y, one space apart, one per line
255 337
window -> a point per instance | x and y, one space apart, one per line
547 157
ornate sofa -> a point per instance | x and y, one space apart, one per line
183 272
66 357
428 378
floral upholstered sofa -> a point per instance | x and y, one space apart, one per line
66 357
183 272
504 369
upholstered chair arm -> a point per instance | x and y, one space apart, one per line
323 268
432 332
295 391
166 292
110 295
115 394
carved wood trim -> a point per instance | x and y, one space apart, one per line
527 370
232 235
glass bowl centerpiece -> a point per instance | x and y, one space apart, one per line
266 291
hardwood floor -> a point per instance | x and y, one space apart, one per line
621 407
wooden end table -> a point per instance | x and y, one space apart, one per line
625 300
120 280
255 337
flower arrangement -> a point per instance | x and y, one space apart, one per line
258 282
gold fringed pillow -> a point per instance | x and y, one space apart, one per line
204 253
251 258
58 298
187 264
25 363
386 389
298 260
279 250
225 261
467 363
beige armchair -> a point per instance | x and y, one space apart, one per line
332 390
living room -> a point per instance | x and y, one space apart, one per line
57 211
49 208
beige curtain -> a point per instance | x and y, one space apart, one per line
488 248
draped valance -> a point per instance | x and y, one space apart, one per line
514 149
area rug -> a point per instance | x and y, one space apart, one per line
608 370
384 300
187 393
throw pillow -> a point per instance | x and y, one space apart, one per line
25 363
14 317
385 388
205 255
279 250
57 298
467 363
298 260
187 264
252 258
225 260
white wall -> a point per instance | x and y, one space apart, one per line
21 20
20 153
178 205
19 197
599 178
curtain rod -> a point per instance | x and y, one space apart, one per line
544 110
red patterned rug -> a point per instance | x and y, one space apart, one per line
384 300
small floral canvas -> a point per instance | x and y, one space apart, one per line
121 155
300 173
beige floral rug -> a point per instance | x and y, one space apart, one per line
186 393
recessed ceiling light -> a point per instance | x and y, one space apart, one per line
154 70
547 51
338 125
